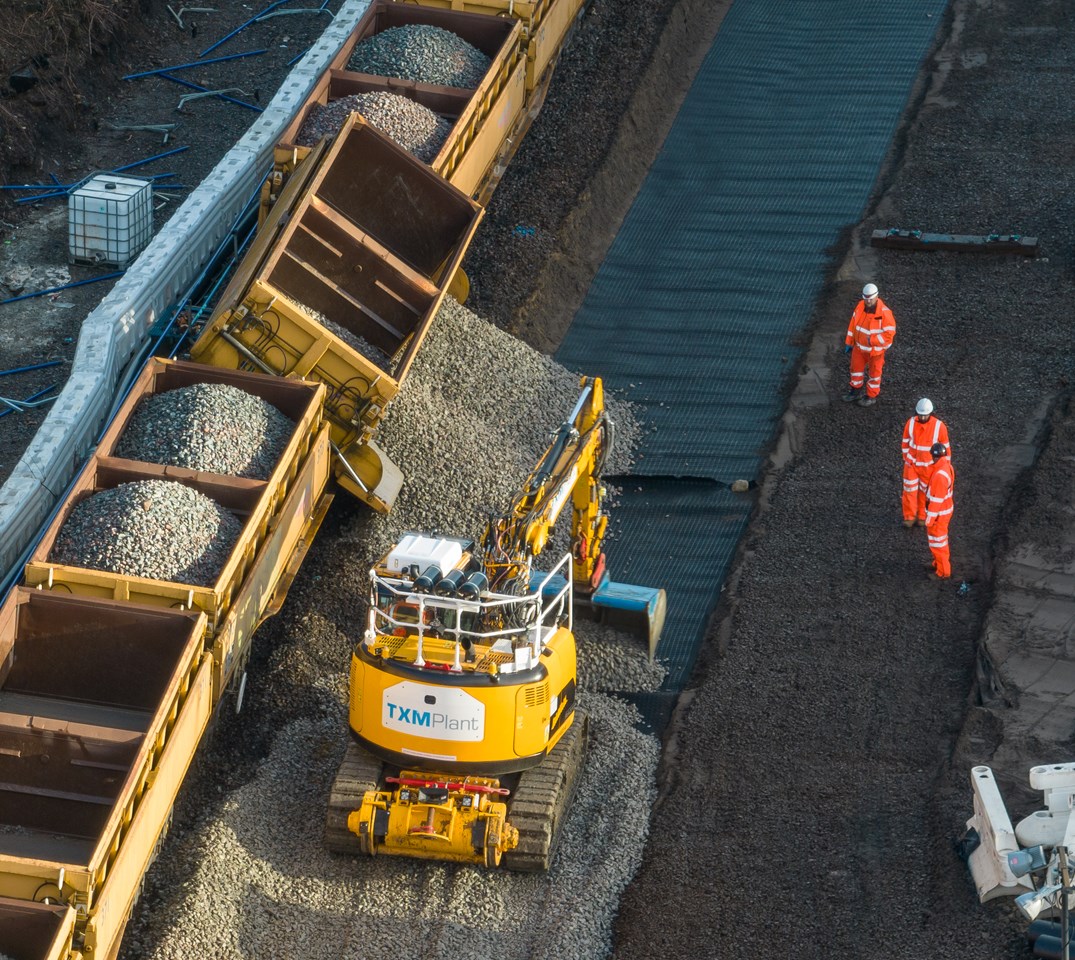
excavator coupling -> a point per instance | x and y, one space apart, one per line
461 820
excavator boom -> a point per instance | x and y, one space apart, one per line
570 470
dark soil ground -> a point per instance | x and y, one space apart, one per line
817 777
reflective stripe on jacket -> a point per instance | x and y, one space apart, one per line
919 437
939 500
871 331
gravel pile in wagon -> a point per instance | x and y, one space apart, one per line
159 529
422 53
416 128
212 427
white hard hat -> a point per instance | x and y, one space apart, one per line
870 290
924 407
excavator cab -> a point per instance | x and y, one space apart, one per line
457 692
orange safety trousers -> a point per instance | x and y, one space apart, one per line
940 504
918 439
937 532
865 365
915 485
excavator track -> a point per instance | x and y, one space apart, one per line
360 771
540 802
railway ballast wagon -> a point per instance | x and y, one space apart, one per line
274 519
112 670
468 127
102 706
341 286
108 678
471 124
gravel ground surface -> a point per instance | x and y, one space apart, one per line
265 885
827 727
478 411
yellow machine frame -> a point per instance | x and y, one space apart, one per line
459 685
467 669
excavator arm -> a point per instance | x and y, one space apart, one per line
570 470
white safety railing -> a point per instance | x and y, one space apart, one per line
519 626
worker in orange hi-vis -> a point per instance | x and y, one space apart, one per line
920 433
939 504
869 335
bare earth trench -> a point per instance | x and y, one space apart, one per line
816 778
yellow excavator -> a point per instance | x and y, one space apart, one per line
466 744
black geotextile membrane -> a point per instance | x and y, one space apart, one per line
714 273
680 536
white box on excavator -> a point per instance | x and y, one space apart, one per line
414 553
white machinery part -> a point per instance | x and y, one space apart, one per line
1050 827
109 219
989 862
434 712
415 552
531 618
1057 783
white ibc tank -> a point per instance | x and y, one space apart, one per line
109 219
